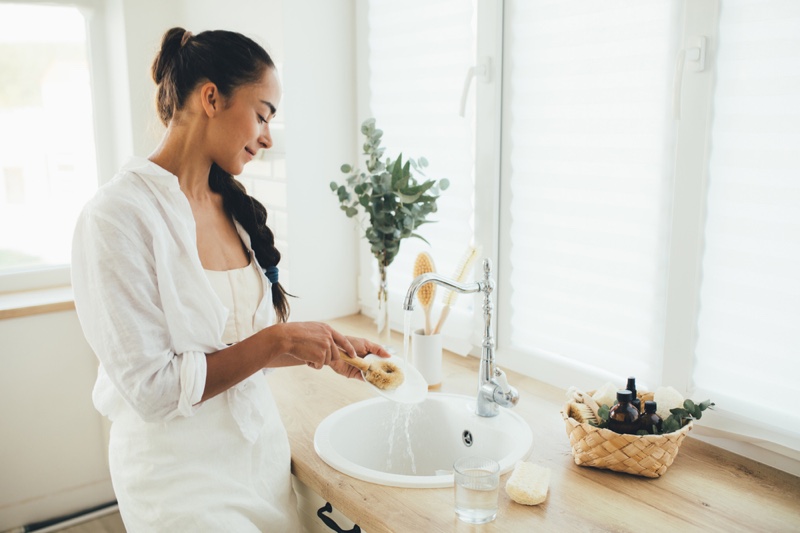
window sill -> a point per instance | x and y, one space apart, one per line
36 302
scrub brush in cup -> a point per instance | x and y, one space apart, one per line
462 271
425 294
383 374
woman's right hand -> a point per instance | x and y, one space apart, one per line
314 343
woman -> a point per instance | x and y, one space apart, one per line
169 263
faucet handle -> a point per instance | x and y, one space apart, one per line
501 379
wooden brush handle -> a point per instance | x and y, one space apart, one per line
354 361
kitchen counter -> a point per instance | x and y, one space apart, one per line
705 489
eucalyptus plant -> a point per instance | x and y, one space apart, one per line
391 198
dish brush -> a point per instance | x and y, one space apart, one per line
460 275
383 374
426 293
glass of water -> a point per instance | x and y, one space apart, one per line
477 483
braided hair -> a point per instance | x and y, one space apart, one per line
229 60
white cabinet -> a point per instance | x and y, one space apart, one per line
308 505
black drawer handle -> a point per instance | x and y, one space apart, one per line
331 523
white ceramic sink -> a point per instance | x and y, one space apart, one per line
402 445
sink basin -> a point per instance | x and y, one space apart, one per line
414 445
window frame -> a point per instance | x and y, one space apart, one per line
95 13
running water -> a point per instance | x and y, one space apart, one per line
400 425
401 419
406 334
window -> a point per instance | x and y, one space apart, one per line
48 163
419 52
647 216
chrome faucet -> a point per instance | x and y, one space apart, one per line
493 388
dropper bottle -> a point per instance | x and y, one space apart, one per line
635 401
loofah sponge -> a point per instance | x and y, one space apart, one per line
667 398
528 483
606 395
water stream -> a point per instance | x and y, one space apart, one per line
401 420
407 334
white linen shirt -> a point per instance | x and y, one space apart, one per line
145 304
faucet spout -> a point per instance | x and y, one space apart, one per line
493 389
432 277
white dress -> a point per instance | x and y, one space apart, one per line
151 313
213 478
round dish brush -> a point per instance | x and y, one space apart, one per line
383 374
425 294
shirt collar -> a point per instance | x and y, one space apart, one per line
146 168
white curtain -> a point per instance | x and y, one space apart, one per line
748 349
588 149
419 53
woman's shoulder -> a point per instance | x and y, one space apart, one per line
136 190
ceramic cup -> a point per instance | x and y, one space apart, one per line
426 356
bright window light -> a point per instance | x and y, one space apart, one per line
47 151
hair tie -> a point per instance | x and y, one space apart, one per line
186 36
272 274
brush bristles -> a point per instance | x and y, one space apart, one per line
461 273
425 294
422 265
581 412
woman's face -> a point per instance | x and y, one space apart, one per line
242 126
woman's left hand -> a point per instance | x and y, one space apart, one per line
362 347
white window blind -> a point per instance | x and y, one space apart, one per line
748 350
587 151
419 53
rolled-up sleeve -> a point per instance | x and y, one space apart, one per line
120 310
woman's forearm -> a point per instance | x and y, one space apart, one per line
237 362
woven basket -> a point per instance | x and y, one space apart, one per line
640 455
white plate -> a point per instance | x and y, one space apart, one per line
414 388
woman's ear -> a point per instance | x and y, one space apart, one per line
210 99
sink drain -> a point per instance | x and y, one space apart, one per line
466 438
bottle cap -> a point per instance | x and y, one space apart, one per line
624 395
650 406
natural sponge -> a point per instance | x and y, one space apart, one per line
528 483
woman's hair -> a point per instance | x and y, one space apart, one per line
229 60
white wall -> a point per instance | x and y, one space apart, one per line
52 450
320 104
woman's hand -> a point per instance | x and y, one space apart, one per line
313 343
362 348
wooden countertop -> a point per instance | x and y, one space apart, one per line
705 489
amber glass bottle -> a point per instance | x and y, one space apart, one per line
650 421
623 417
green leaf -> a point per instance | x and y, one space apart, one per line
351 212
705 405
670 424
419 189
444 183
408 199
688 405
420 237
422 162
334 186
346 168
